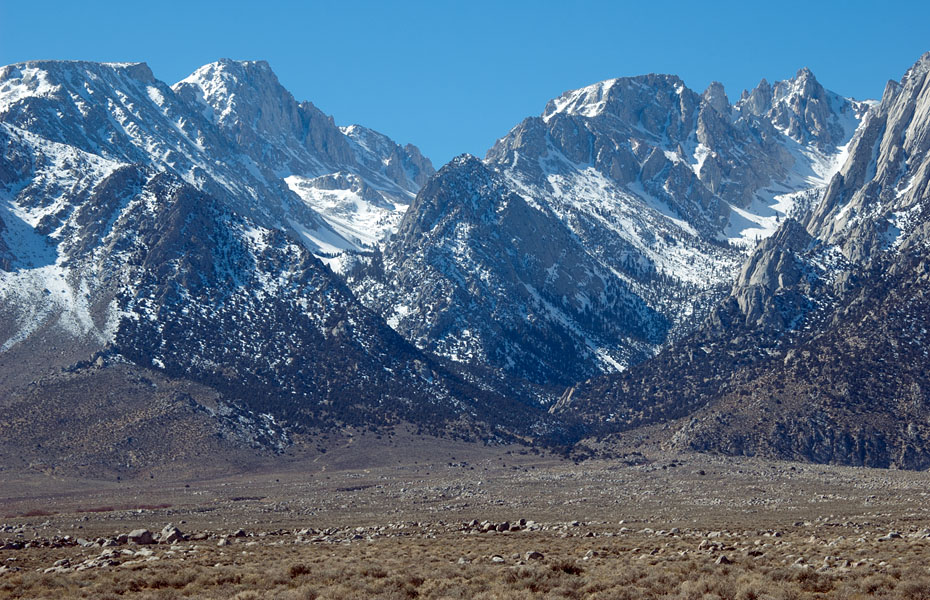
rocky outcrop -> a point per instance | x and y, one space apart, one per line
887 177
775 284
874 206
804 110
141 537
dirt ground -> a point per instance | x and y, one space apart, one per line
429 518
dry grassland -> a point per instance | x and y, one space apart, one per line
670 527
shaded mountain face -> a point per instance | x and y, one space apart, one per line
134 229
603 229
819 354
503 283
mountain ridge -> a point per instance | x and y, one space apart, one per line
637 255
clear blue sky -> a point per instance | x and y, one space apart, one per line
453 77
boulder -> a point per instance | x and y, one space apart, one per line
170 534
141 537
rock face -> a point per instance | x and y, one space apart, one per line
603 229
870 211
776 285
804 110
818 354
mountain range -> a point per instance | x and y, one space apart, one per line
215 260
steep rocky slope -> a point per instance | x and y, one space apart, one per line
819 353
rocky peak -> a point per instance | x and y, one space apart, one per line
242 94
110 109
140 71
246 100
762 266
465 186
875 205
805 80
716 97
644 101
59 80
887 175
918 69
405 165
588 101
759 100
802 109
802 86
35 71
423 165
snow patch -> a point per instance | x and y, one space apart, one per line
363 224
588 101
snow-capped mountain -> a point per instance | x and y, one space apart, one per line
136 228
871 208
637 200
69 126
820 352
479 274
231 130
